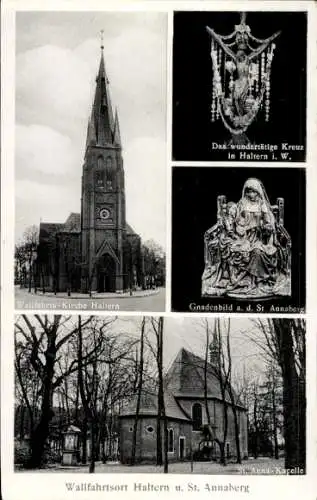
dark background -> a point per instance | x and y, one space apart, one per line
193 131
194 210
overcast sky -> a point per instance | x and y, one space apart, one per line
57 61
189 333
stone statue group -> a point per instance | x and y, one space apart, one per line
248 250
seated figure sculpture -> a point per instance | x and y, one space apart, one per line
248 250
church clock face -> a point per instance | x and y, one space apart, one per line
104 213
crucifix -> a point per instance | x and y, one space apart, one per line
241 77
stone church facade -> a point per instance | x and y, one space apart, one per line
186 412
95 250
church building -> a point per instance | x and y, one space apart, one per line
95 250
195 411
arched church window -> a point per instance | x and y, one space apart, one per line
197 416
171 440
100 162
109 173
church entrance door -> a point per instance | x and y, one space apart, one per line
106 274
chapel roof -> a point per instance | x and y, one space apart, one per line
185 378
149 406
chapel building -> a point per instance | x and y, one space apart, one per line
190 436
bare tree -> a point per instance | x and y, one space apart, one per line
26 254
233 399
223 370
140 370
43 339
284 340
158 327
290 338
107 381
88 381
153 263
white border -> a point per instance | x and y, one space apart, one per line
52 486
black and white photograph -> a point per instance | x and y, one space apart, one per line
158 249
239 86
159 395
90 160
238 239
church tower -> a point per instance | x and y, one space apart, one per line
214 349
103 220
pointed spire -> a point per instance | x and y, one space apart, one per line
117 136
101 125
214 348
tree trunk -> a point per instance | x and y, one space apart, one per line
225 432
30 274
233 401
276 452
236 432
205 375
161 393
224 379
159 451
84 441
294 398
160 397
92 447
256 429
85 403
40 434
138 404
165 442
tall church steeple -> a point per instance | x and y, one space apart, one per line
104 230
101 127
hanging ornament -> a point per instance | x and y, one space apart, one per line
256 76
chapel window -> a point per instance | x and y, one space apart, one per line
197 416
